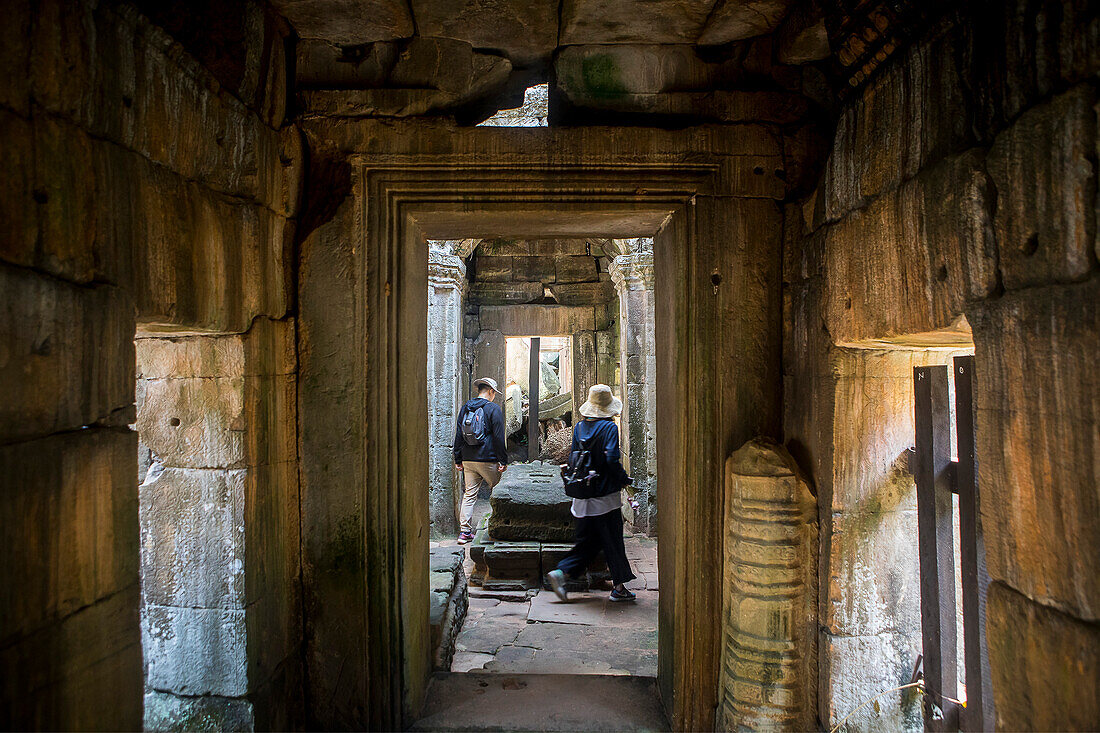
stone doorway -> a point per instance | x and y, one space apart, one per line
365 455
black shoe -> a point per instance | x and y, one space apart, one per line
622 595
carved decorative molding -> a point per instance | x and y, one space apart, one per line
633 271
445 270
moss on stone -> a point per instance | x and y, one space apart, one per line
600 76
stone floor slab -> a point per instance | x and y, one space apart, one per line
489 632
593 609
470 661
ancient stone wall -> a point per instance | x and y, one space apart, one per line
219 526
961 182
136 182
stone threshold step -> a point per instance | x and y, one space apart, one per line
475 701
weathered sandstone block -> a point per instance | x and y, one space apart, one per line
195 422
494 293
873 574
494 269
348 22
80 486
914 113
15 56
769 603
449 601
857 668
194 357
586 293
529 504
735 20
193 534
17 205
665 21
66 353
64 187
537 320
1045 174
576 270
526 32
60 677
1037 422
1045 664
195 651
165 712
932 245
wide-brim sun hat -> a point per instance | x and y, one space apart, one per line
488 382
601 403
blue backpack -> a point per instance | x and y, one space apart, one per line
473 426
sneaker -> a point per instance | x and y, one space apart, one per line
622 595
464 537
556 579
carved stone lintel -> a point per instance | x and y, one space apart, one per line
445 270
632 271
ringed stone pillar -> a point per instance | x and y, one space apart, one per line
768 674
633 278
446 291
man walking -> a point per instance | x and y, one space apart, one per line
480 450
599 518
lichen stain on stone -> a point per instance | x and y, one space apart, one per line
601 77
897 486
344 552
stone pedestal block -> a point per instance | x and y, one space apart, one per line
529 504
768 669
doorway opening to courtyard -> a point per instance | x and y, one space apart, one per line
546 319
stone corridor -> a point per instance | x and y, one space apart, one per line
840 259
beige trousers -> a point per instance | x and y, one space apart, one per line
474 473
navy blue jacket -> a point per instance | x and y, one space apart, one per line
606 433
495 450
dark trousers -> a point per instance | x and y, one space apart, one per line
603 532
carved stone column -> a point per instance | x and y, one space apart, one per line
446 293
633 278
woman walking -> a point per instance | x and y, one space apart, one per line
599 518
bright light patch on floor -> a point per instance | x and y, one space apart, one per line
533 113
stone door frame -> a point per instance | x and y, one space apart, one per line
684 189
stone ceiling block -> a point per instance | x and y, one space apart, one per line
627 21
524 31
428 75
735 20
320 64
348 22
611 70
